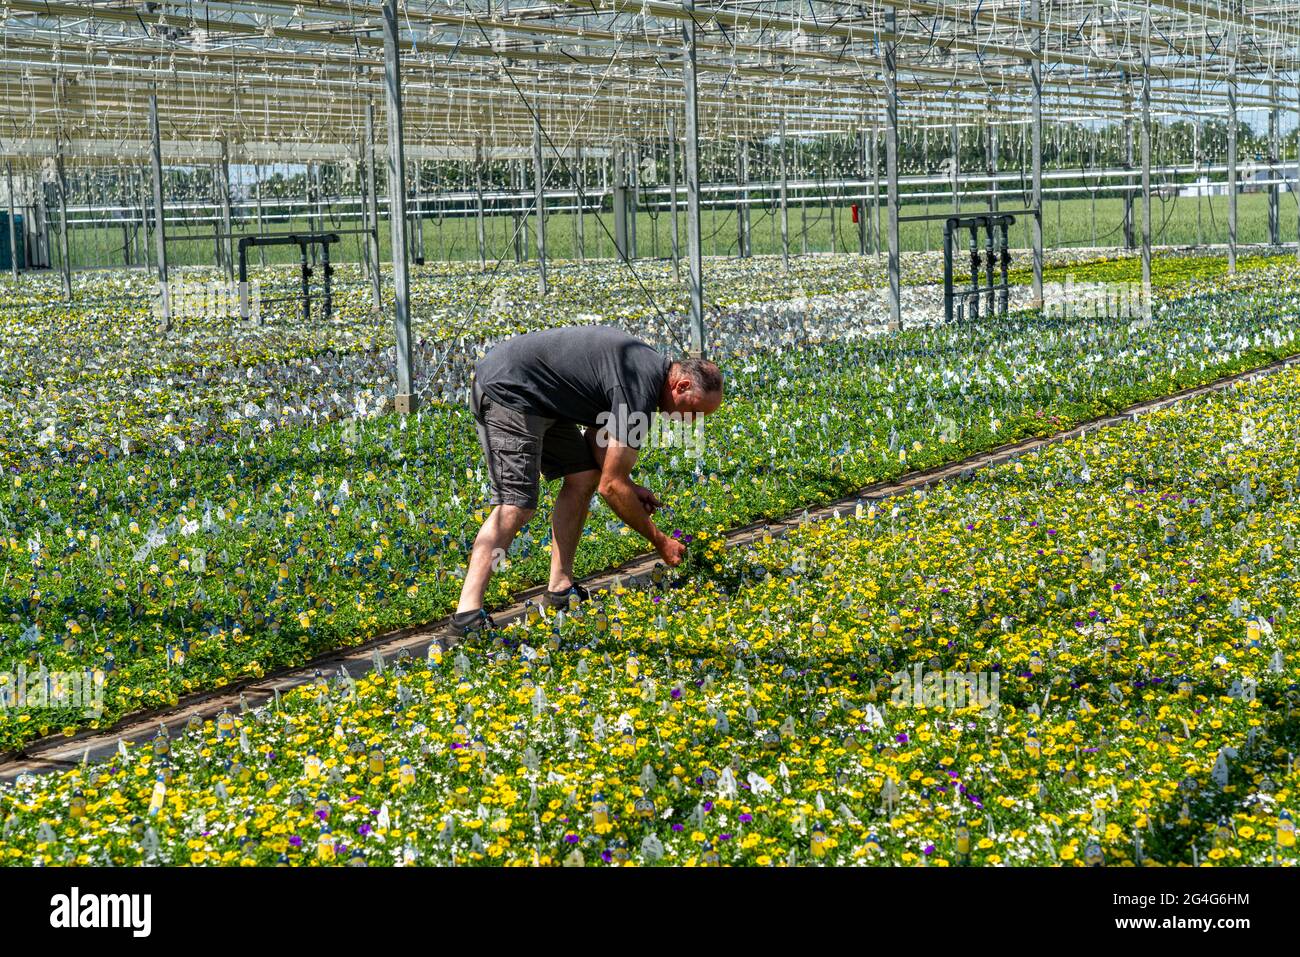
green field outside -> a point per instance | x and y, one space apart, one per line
1073 222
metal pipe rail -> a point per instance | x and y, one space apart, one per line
1011 214
997 250
302 241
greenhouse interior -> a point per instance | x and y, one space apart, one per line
977 549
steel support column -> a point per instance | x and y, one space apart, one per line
891 162
313 207
785 201
582 205
1036 147
539 201
372 211
227 221
633 196
742 199
1128 161
417 213
159 225
861 166
956 168
519 235
1232 147
875 192
1146 156
1196 161
61 183
404 401
672 197
691 162
1274 190
621 247
261 228
479 224
991 158
13 228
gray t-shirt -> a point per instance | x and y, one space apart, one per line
592 375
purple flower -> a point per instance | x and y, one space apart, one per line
901 738
676 693
364 829
708 806
746 818
606 856
570 839
677 828
929 849
296 841
724 837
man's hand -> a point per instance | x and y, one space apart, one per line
649 499
670 550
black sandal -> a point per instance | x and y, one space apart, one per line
560 599
471 626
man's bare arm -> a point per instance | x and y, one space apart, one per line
597 440
626 498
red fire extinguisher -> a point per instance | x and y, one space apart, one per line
854 208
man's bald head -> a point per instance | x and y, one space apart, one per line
694 386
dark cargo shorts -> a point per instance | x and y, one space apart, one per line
520 448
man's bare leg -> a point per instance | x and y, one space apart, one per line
498 531
567 519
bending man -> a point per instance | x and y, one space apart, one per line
573 403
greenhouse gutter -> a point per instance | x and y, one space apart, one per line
59 752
